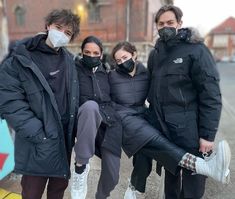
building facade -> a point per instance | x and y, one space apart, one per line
221 40
110 20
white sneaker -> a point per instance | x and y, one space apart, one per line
79 184
130 192
218 166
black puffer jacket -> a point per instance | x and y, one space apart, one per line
129 94
29 106
95 86
185 89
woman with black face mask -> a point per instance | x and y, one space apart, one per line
99 129
129 85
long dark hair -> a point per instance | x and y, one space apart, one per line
92 39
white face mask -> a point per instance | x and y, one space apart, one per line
57 38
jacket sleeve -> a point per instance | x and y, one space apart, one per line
14 106
206 81
150 62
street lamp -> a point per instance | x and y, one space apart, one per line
81 11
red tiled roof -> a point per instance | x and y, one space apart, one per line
228 26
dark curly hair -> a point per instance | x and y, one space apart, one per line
64 17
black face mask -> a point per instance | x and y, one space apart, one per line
91 62
167 33
127 66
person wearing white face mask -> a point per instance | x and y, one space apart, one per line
38 89
58 38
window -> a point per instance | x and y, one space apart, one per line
93 11
220 41
20 15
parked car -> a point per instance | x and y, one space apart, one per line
225 59
232 59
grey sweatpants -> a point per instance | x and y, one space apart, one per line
89 120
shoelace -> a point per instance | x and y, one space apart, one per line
78 182
131 187
208 155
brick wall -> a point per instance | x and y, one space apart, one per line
110 28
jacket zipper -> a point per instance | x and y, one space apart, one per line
182 96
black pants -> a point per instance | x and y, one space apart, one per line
33 187
176 186
159 149
185 186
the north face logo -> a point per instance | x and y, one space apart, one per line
178 60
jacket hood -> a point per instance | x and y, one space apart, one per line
140 68
184 35
79 64
190 35
31 43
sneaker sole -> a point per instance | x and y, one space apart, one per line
88 170
226 161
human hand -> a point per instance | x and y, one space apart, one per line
205 146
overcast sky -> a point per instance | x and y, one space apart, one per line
205 14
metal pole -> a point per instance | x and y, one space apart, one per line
128 20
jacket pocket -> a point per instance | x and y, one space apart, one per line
176 120
34 94
183 128
46 157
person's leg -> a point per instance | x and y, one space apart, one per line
56 188
89 120
172 158
110 166
33 186
142 167
160 149
172 185
164 152
193 186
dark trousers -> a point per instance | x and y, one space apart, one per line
89 121
109 176
159 149
142 168
33 187
184 185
